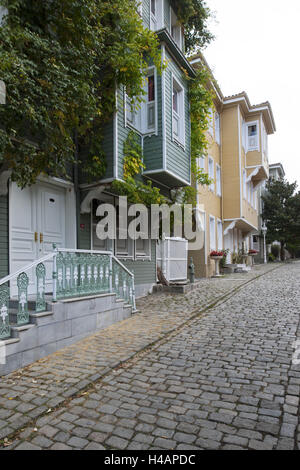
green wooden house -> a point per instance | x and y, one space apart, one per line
63 212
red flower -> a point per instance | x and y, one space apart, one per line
252 252
216 253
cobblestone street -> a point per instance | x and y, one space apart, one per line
186 372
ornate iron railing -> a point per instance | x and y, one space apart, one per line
75 273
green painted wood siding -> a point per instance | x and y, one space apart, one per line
146 13
4 253
108 149
177 158
144 271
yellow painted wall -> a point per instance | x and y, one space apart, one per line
230 163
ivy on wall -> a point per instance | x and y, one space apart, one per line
61 61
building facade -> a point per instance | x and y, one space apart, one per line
64 211
237 161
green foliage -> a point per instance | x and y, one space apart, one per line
194 15
133 158
138 192
201 100
275 250
282 212
61 61
271 258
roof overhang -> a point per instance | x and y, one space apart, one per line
257 175
250 110
241 224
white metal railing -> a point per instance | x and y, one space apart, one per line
75 273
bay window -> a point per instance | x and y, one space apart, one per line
156 14
176 30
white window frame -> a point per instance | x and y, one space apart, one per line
178 37
218 128
218 180
179 116
211 173
141 114
201 162
156 20
211 122
252 148
219 234
212 233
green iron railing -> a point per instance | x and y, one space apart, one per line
75 273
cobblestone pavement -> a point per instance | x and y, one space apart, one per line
224 380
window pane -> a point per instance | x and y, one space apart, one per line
151 115
151 88
175 101
252 130
153 7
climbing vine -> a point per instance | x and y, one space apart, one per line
61 61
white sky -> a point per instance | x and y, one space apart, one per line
257 50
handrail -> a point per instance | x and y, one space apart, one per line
26 268
122 266
71 250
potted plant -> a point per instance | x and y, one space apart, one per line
252 253
217 256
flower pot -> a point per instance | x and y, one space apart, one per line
217 260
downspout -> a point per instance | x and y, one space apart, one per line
76 186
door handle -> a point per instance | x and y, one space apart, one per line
35 237
41 238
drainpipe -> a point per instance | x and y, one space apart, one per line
76 186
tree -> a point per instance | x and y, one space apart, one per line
281 212
62 61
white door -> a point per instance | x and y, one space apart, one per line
37 220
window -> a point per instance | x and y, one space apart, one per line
178 121
218 128
220 235
218 180
248 193
244 135
176 30
252 136
211 122
255 200
211 173
265 141
201 163
142 116
156 14
212 233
